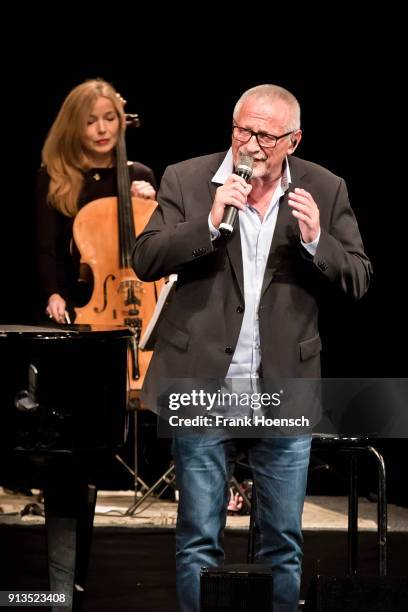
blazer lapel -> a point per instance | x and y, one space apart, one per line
212 187
235 256
233 244
233 248
286 227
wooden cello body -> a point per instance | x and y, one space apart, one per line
118 297
104 232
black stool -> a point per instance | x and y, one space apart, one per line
353 447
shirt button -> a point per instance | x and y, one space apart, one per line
228 350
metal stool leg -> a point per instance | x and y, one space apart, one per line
352 553
354 446
381 513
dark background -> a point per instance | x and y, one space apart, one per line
187 112
184 86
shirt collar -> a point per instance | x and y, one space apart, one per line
227 167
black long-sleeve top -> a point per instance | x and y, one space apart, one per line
57 257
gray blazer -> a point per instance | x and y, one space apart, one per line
200 329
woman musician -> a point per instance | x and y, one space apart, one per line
78 167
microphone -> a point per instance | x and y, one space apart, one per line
243 169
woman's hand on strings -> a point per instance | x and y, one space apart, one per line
143 189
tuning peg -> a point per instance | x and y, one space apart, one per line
122 100
132 120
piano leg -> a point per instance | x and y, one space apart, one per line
69 515
61 538
84 541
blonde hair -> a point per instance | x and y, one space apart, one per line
63 154
272 93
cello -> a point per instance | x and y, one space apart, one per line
104 232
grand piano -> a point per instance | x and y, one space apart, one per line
63 412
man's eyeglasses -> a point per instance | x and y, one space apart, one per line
264 139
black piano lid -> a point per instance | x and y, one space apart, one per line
61 332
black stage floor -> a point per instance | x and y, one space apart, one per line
132 569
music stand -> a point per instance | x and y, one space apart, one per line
169 478
137 480
147 343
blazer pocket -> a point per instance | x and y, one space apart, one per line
173 335
309 348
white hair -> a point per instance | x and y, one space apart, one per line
272 93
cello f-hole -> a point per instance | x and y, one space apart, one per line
105 294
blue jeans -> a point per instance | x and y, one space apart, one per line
203 468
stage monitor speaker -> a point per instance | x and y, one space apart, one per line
358 593
242 588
